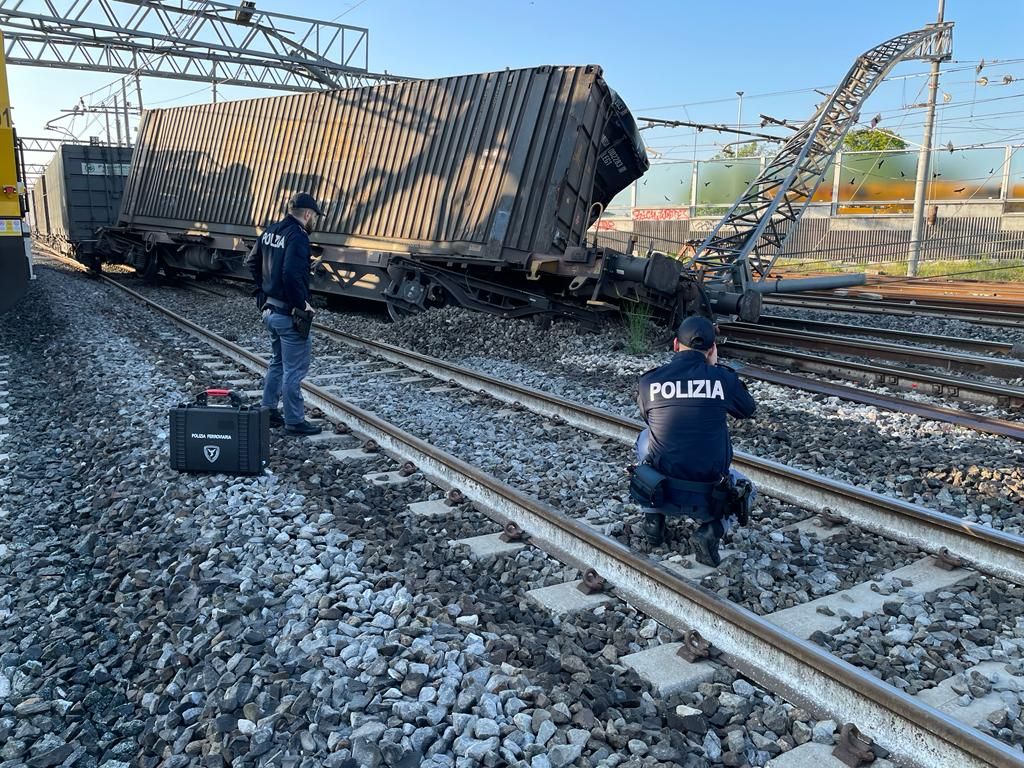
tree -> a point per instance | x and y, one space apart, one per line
872 140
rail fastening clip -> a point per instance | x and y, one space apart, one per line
592 583
853 749
947 561
694 647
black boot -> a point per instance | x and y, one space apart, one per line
654 527
303 428
276 419
705 544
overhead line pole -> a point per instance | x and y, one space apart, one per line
924 161
124 102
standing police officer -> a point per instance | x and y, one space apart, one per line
280 263
687 440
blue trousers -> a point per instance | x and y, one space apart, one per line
697 509
288 367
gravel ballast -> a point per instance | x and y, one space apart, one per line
922 639
580 475
298 618
953 469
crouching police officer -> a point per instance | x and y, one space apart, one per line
279 263
685 452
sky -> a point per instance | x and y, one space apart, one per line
673 60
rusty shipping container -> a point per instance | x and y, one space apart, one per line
473 165
500 172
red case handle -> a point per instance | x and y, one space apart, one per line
205 395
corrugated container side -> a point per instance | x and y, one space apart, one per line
40 221
54 201
469 165
80 191
94 178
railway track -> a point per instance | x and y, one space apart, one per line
1005 295
801 488
1002 295
977 422
923 381
1001 368
966 419
976 315
977 346
916 734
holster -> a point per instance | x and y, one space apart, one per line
647 486
742 500
732 498
302 321
721 498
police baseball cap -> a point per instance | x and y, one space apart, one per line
305 200
696 332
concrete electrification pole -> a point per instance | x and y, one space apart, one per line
924 164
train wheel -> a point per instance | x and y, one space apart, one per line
398 310
413 295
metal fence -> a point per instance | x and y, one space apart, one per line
952 239
860 214
856 182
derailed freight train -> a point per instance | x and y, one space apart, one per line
475 190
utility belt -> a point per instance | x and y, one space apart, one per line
302 320
723 498
276 305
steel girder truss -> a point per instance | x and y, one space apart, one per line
198 40
744 245
38 144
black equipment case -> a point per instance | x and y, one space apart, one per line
231 438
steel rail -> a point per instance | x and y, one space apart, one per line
1008 300
988 549
976 422
915 733
937 358
906 378
973 421
900 309
819 326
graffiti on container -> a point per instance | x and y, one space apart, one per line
661 214
105 169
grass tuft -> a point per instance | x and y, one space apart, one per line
637 321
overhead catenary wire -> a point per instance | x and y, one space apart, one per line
968 65
953 117
348 10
